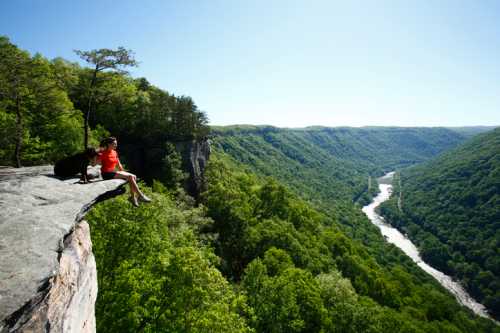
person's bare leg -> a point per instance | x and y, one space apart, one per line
132 180
134 189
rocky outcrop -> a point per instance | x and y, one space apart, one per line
195 155
66 303
47 272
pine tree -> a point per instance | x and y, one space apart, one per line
102 60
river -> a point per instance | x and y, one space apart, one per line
392 235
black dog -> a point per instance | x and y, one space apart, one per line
78 163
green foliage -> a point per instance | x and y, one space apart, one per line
329 181
171 172
7 137
301 273
289 301
155 275
450 209
328 164
43 105
101 60
341 302
40 124
470 131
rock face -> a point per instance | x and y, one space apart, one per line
195 156
47 273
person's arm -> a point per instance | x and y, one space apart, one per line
120 167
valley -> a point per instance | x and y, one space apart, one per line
392 235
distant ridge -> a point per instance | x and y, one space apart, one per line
321 163
451 209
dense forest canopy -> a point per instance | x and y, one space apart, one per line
470 131
273 157
323 163
45 106
259 259
451 209
38 122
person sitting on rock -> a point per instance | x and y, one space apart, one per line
76 164
109 160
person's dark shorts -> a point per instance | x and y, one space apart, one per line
108 175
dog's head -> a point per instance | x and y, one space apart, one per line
91 154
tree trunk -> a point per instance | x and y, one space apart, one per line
86 126
19 133
89 108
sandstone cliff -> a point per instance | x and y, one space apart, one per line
47 271
195 156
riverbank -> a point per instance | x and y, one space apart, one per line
392 235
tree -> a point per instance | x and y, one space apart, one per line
14 87
102 60
287 302
38 119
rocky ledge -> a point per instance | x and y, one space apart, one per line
47 269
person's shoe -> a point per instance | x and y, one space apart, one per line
133 201
144 198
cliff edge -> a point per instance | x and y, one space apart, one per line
47 270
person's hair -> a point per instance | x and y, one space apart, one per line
91 152
105 142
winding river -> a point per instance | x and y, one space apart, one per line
392 235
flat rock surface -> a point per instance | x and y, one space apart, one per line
36 211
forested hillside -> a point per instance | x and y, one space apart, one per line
451 209
254 258
326 164
470 131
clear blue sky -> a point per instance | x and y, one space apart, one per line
291 63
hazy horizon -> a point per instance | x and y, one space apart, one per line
292 63
362 126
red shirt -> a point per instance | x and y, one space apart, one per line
109 160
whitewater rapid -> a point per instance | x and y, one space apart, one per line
392 235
